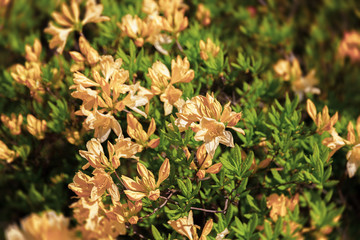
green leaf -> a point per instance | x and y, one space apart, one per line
156 233
182 187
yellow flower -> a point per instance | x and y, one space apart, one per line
136 131
306 84
69 21
88 53
349 46
81 185
208 48
13 124
74 136
321 120
36 127
291 71
136 28
180 71
30 76
101 123
288 70
102 182
335 142
150 7
280 204
204 163
126 212
5 153
203 15
96 156
212 118
33 53
93 224
169 7
171 97
160 77
47 225
353 156
125 148
175 23
185 226
146 187
138 96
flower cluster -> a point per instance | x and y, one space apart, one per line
335 142
111 96
208 119
164 22
30 73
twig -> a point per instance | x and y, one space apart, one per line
158 208
207 210
118 176
179 46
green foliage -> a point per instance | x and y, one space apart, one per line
281 153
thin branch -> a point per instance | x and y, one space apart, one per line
179 46
207 210
161 206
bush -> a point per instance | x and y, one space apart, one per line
169 119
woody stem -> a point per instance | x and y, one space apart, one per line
161 206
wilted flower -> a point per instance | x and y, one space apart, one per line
208 48
44 226
350 46
208 119
280 204
13 123
136 131
69 21
185 226
203 15
5 153
36 127
146 187
204 163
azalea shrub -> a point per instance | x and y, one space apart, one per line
172 119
